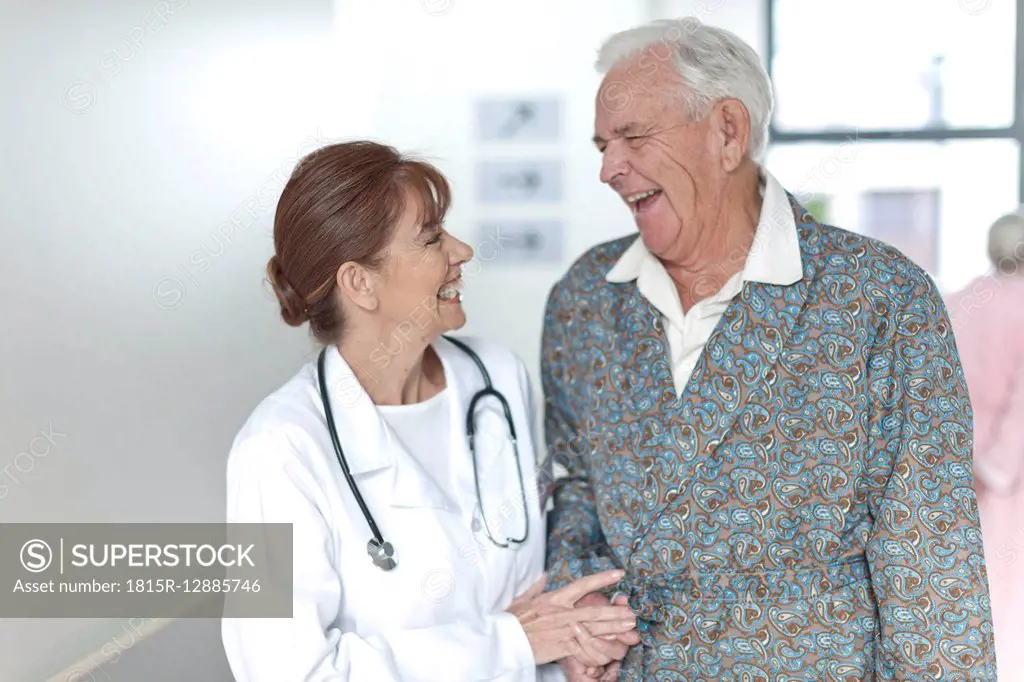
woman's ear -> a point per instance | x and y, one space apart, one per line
358 285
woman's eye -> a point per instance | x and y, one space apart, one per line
436 239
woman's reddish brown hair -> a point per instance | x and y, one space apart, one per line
342 204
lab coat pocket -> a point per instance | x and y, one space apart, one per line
424 577
489 547
431 580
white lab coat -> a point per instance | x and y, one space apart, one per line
440 614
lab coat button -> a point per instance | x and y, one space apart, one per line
476 525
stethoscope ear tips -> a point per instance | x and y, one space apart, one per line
382 554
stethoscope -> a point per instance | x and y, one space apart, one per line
382 552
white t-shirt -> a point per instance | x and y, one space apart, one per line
423 429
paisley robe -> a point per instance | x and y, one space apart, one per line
805 509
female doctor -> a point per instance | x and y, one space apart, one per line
418 545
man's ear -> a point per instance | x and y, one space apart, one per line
358 285
732 125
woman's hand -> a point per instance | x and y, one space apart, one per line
557 628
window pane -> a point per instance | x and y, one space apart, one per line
894 65
909 220
932 200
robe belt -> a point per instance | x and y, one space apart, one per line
656 599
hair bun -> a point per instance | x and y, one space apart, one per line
293 308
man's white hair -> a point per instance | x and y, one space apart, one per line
713 63
1006 242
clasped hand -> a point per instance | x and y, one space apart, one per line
576 624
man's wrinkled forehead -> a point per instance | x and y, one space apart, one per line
638 84
622 111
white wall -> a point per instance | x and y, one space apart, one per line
130 135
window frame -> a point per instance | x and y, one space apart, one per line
932 134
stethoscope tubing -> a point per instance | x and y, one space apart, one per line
379 550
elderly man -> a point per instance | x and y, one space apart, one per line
763 419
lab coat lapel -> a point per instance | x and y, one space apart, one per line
361 431
371 448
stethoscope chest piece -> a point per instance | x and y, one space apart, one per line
382 554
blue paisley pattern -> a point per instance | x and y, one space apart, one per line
805 509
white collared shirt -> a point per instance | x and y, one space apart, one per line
774 258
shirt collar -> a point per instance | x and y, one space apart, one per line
774 256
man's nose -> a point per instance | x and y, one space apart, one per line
612 165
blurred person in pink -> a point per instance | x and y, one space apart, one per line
988 320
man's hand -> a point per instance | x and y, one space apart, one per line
577 672
612 646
